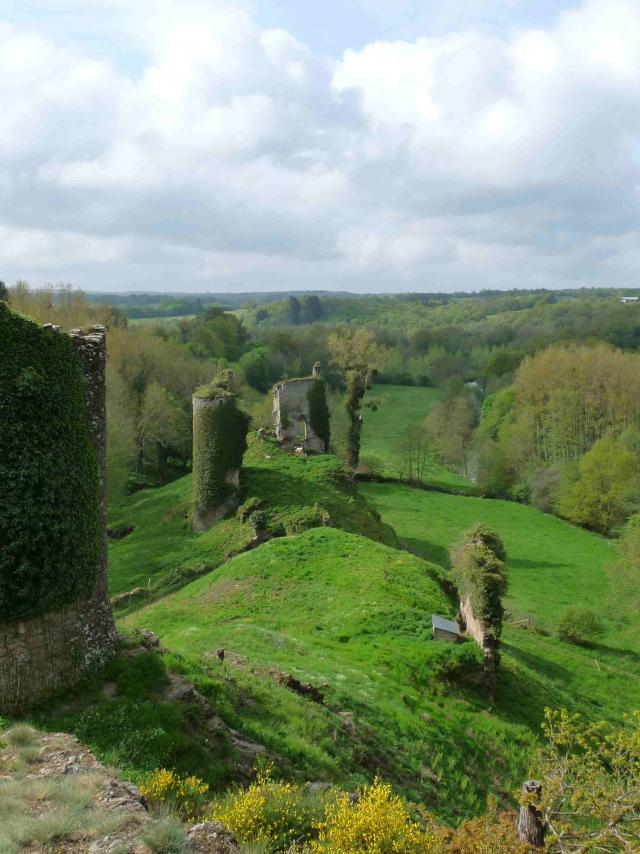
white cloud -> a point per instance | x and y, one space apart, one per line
236 157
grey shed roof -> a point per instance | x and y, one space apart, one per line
444 625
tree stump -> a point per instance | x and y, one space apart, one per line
531 829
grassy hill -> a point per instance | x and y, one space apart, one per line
337 607
551 565
162 553
353 618
399 407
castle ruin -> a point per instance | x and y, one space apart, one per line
219 443
56 622
301 414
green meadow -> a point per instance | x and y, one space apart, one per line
340 599
399 407
552 566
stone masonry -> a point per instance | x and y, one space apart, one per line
46 654
475 628
204 517
291 415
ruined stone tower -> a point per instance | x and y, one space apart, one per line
56 622
301 414
219 443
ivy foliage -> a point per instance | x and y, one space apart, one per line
219 443
479 572
50 515
319 417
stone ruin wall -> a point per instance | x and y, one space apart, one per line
291 416
203 518
46 654
476 628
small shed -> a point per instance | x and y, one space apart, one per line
444 629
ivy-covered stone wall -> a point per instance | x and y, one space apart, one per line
301 413
219 442
55 616
478 563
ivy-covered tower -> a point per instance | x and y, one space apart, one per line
56 622
219 442
301 413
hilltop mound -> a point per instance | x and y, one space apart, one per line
160 552
349 620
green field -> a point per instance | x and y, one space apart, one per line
332 602
551 565
399 407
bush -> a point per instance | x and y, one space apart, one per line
579 625
603 496
545 484
378 823
185 794
370 466
304 520
269 812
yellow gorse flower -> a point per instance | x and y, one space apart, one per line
187 793
378 823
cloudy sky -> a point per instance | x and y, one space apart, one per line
365 145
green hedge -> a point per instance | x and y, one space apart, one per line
219 443
50 518
319 417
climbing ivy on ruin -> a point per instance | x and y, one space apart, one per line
50 516
219 443
319 417
479 572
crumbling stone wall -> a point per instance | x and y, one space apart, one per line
293 417
478 630
219 443
45 651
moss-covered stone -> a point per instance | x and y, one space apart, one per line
50 514
219 442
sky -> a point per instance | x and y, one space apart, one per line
361 145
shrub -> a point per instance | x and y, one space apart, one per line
185 794
304 520
579 625
486 835
606 490
545 484
370 465
378 823
269 812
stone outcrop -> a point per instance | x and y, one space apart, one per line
292 415
42 655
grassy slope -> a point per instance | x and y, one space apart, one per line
162 553
353 616
401 407
552 565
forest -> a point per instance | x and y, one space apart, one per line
535 395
